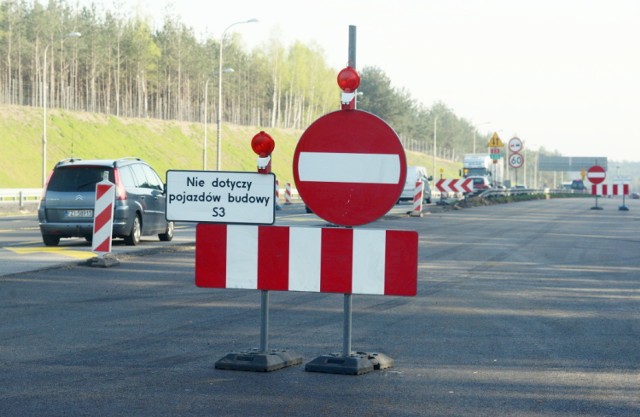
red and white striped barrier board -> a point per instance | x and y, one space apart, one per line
455 186
599 189
282 258
610 189
418 198
103 217
620 189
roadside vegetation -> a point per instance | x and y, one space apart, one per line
164 144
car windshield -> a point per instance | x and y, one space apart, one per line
77 178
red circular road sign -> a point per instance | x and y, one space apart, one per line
349 167
596 174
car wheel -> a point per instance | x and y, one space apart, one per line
168 235
134 235
50 240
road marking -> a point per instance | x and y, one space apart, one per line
76 254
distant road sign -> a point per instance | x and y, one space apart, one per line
515 145
349 167
516 160
596 174
495 141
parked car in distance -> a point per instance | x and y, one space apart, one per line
578 185
635 196
415 174
480 183
66 208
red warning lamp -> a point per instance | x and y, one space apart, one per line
348 80
263 144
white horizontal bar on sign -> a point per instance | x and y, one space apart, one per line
349 167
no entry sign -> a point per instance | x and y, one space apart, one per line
349 167
596 174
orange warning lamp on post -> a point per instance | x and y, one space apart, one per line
263 144
348 81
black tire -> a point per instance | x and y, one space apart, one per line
134 235
168 235
50 240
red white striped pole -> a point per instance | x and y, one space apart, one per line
277 195
417 200
103 217
287 194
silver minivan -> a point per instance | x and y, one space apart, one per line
66 208
415 174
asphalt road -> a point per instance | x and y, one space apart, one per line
526 309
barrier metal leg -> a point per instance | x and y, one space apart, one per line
596 206
623 207
346 333
263 359
349 363
264 318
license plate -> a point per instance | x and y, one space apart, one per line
78 213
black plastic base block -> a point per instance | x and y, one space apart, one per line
358 363
623 208
259 361
106 261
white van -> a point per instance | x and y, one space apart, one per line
415 174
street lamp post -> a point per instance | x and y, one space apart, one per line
475 131
219 121
44 108
435 138
204 146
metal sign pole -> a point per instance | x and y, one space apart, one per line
348 313
264 321
348 300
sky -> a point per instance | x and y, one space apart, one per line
559 74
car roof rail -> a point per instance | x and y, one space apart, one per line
126 158
66 160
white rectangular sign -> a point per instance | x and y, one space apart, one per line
349 167
221 197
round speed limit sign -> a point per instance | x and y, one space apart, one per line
516 160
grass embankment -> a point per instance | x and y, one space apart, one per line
164 144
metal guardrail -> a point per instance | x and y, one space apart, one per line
506 192
10 197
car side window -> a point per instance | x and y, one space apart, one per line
138 173
127 177
153 180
